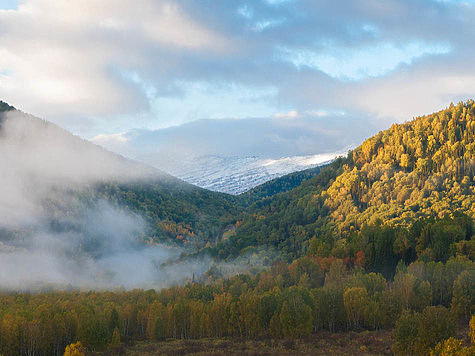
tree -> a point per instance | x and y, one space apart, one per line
115 340
450 347
405 333
295 318
355 300
405 285
454 347
472 330
94 331
435 323
406 161
75 350
114 319
268 305
275 326
423 295
464 294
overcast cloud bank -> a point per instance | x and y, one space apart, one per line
113 66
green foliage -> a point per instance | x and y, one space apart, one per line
355 300
417 333
286 221
417 178
5 107
273 303
175 211
405 333
463 301
296 314
452 347
435 323
278 185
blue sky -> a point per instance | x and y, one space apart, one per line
112 67
8 4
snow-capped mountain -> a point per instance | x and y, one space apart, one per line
234 155
235 175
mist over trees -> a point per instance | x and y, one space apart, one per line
423 303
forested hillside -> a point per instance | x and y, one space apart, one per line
386 189
52 158
278 185
419 169
174 210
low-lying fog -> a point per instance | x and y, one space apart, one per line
43 171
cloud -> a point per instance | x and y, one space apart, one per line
283 135
111 66
361 63
69 57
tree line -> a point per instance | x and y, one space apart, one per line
285 301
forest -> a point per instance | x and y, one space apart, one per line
381 239
422 169
424 304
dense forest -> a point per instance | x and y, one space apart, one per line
423 169
423 304
175 211
278 185
379 240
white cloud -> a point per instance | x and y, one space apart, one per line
111 66
201 100
361 63
67 57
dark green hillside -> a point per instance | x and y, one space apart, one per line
174 210
278 185
280 220
423 169
5 107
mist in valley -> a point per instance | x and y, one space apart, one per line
54 232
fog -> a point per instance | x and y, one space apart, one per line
50 237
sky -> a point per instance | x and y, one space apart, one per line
108 69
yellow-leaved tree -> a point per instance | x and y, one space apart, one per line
75 350
454 347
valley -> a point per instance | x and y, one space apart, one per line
127 259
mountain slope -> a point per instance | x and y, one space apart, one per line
51 157
418 170
74 213
236 175
279 185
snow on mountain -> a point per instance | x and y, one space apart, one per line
235 175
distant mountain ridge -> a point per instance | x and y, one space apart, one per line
236 175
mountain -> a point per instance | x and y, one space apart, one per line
70 209
52 157
422 170
401 205
279 185
236 175
235 155
406 193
